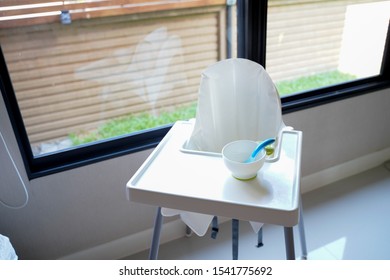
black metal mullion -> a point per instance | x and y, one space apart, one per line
252 30
385 67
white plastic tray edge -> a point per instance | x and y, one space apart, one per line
138 174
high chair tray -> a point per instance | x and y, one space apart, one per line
201 183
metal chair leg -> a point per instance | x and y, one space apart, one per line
289 241
235 228
153 254
302 235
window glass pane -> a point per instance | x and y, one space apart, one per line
311 44
106 71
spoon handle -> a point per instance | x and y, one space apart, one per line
263 144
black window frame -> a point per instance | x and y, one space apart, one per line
252 36
252 42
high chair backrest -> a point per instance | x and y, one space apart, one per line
237 100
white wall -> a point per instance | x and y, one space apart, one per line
85 207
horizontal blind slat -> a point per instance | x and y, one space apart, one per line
50 13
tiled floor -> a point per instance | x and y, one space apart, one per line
345 220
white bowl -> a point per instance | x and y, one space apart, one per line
235 153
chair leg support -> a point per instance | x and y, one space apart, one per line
156 235
188 231
289 241
215 227
235 228
260 238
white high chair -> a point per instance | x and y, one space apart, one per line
237 100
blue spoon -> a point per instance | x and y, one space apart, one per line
259 147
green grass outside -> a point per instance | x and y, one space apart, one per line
311 82
137 122
132 123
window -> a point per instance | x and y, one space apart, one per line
312 44
318 51
89 80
